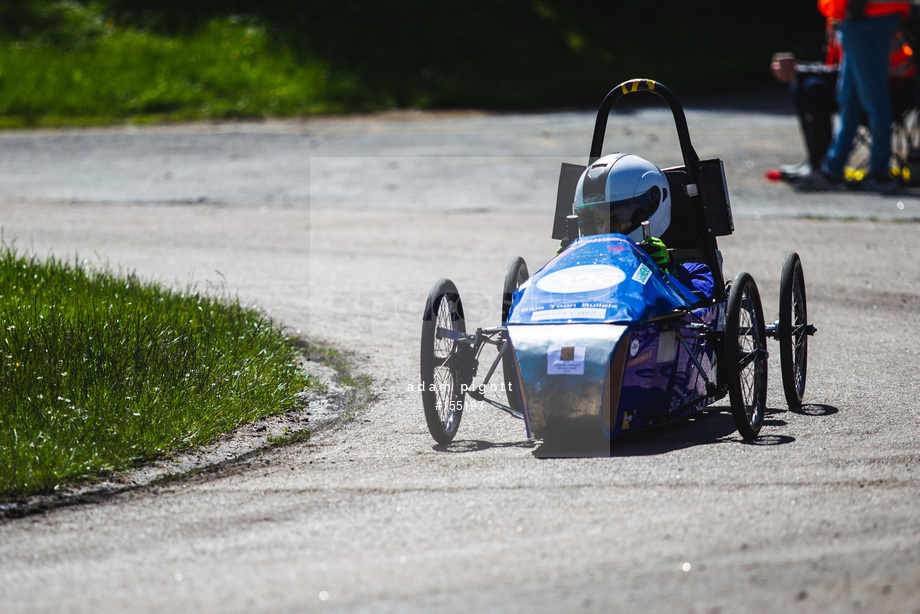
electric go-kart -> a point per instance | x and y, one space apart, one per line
601 342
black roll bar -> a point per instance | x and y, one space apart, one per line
691 160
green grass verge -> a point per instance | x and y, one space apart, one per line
100 372
228 69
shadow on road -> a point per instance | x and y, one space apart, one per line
477 445
711 427
708 428
814 409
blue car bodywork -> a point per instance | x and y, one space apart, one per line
606 342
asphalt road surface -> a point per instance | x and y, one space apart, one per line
338 228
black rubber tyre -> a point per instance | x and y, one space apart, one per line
517 274
792 330
440 359
746 356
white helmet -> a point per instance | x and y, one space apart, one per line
619 192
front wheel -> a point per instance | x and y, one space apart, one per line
517 274
793 330
746 356
441 357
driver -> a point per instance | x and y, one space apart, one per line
617 194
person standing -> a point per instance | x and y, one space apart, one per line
866 29
813 86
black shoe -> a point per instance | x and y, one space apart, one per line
818 181
883 183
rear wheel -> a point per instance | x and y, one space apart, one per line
792 330
517 274
440 359
746 356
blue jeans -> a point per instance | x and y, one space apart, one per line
863 88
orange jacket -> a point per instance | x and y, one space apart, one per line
836 9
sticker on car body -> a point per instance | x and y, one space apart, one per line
565 360
642 274
577 313
585 278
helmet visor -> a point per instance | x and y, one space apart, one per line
620 216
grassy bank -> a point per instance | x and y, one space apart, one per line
227 69
100 372
69 62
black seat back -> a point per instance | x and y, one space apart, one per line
683 232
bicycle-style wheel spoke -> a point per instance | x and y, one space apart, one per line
746 340
440 361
